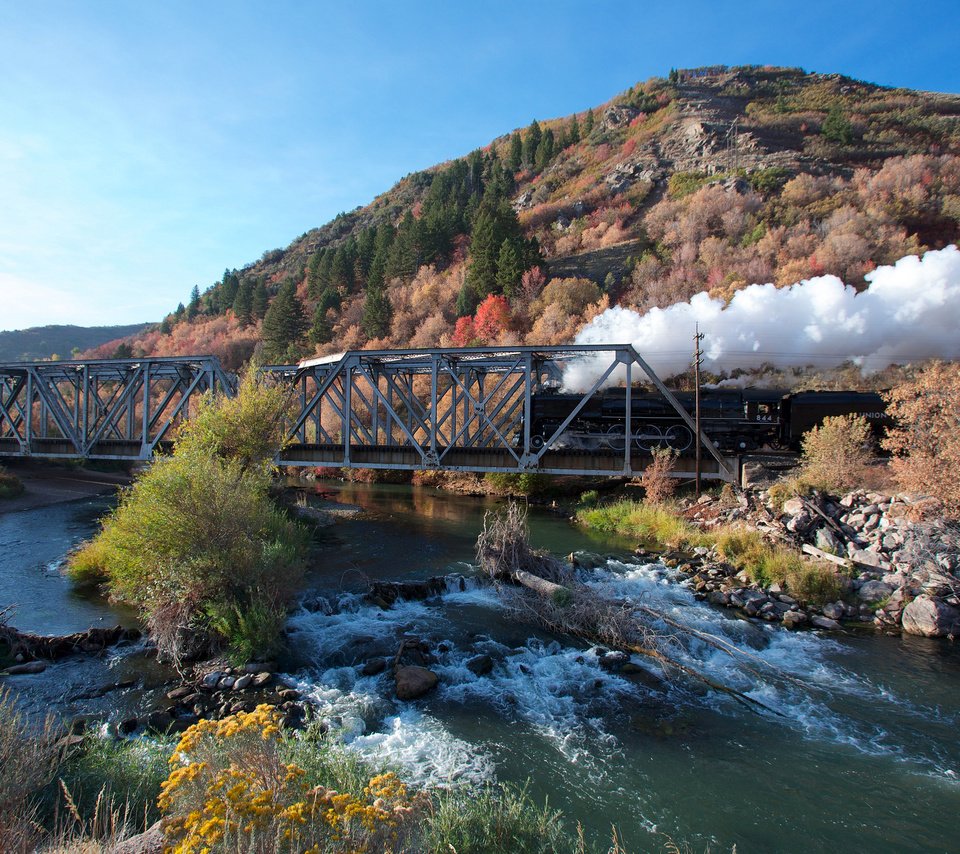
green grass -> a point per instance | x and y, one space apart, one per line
746 550
651 523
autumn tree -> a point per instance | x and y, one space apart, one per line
492 319
836 452
925 441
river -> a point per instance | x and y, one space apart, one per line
858 750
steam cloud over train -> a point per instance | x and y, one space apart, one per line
735 420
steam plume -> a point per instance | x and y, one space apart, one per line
909 312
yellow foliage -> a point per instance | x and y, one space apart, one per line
228 790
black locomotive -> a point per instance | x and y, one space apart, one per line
735 420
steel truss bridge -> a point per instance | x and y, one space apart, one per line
465 409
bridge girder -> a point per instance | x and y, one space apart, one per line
463 409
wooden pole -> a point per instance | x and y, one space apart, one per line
697 338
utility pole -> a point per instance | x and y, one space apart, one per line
697 360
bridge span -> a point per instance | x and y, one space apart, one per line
463 409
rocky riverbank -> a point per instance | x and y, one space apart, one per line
896 560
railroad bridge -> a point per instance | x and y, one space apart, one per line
464 409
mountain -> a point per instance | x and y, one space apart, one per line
707 179
44 342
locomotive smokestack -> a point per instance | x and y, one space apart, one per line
909 312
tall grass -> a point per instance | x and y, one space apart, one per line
650 523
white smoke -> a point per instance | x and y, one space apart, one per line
909 312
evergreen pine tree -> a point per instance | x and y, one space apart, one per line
243 303
259 300
509 269
229 287
531 141
544 151
588 123
193 307
320 331
574 130
284 324
179 313
515 159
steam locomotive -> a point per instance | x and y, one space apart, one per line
736 421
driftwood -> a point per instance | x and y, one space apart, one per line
815 552
561 604
831 522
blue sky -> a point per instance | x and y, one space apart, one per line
144 147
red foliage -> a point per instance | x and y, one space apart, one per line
492 318
463 334
629 146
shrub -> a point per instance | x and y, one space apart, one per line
590 498
658 486
10 484
231 788
836 452
196 544
813 583
522 483
925 441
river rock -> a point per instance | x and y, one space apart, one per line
374 666
243 682
26 668
261 679
825 623
413 682
793 506
211 680
930 618
480 665
180 692
828 541
151 841
874 591
833 610
794 619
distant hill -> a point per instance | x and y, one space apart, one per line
42 342
706 179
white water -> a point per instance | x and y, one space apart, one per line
557 693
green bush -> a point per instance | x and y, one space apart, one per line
590 498
651 523
523 483
196 544
682 184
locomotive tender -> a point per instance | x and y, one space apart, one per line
735 420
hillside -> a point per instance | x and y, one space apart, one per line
708 179
44 342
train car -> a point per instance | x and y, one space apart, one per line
804 410
735 420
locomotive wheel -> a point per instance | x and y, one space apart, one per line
536 442
648 438
678 437
615 437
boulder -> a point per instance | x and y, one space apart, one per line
243 682
793 506
374 666
825 623
874 591
793 619
413 682
930 618
262 679
833 610
151 841
828 541
480 665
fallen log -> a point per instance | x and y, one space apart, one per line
815 552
